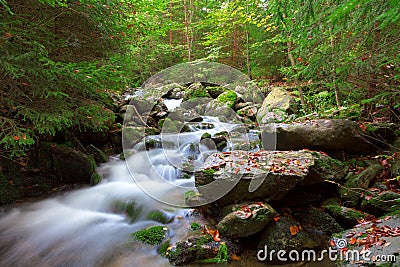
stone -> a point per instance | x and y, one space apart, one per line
322 135
346 217
256 175
277 106
196 90
356 184
245 219
382 203
72 166
98 155
277 236
315 220
202 249
382 245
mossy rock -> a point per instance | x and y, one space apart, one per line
201 249
346 217
215 91
356 184
246 219
98 155
229 98
153 235
196 90
129 208
160 216
317 221
277 236
382 203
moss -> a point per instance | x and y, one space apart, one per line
95 179
190 195
162 250
128 208
222 255
209 172
195 226
229 98
158 216
153 235
205 136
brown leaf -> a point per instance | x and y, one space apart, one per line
352 241
294 229
235 257
277 218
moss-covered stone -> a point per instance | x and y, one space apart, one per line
159 216
98 155
381 203
196 90
228 98
246 219
346 217
153 235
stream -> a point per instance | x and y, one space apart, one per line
86 227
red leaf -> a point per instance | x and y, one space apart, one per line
16 137
277 218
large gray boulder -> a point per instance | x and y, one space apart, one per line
323 135
261 175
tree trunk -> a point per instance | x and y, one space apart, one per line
187 34
296 81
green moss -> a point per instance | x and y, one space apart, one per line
205 136
95 179
229 98
195 226
129 208
209 172
153 235
158 216
162 250
190 195
222 255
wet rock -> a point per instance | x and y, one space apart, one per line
249 111
202 249
356 184
72 166
98 155
322 135
318 222
245 219
153 235
382 203
160 216
286 234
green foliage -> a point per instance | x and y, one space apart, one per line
153 235
222 255
209 172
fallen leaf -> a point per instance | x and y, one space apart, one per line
277 218
235 257
352 241
294 229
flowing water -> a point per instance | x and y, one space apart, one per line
87 227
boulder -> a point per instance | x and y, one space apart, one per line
285 234
323 135
377 237
98 155
72 166
276 106
245 219
346 217
318 222
256 175
381 203
202 249
196 90
356 184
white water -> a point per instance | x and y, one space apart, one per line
84 227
